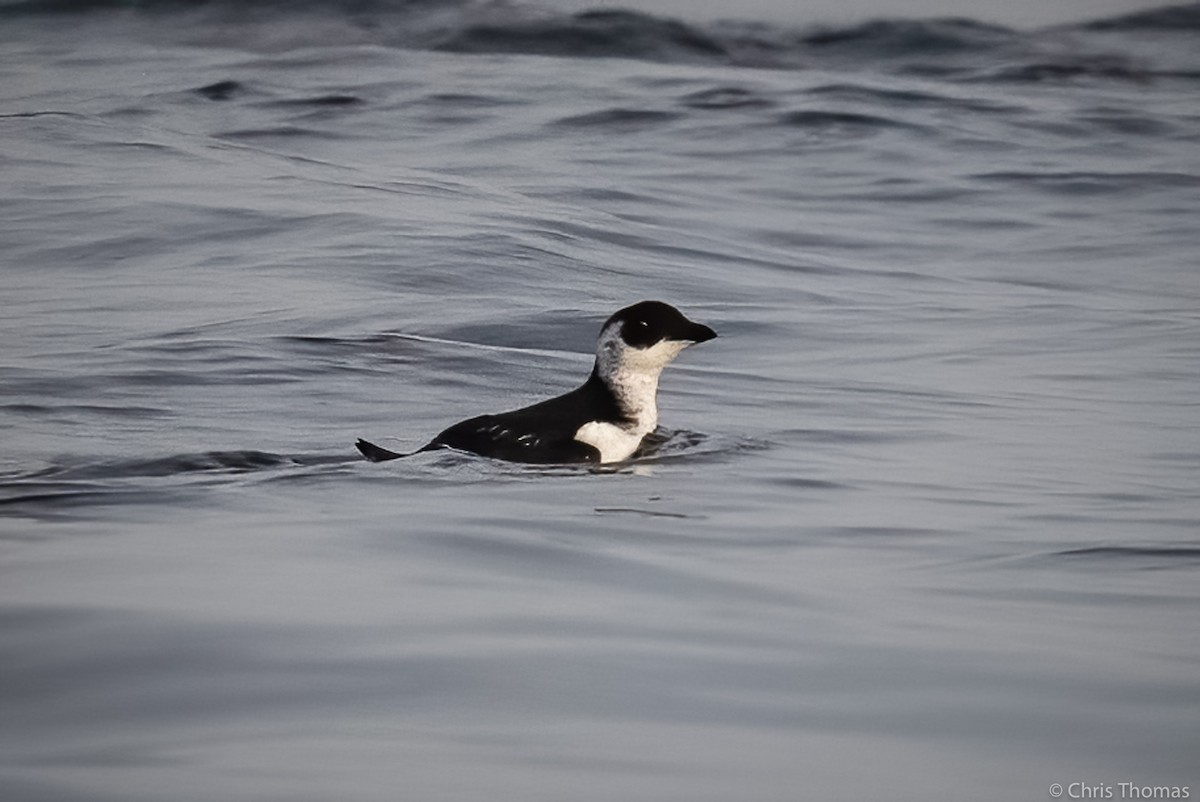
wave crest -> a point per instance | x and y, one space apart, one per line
953 48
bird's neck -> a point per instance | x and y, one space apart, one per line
635 391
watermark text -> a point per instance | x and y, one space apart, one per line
1121 790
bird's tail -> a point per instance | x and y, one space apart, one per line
378 454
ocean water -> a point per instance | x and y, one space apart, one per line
924 521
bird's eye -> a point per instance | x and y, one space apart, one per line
643 323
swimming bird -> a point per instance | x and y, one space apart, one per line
602 421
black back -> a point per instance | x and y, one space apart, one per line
542 433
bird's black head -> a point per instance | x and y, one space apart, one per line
648 323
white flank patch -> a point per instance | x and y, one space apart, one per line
613 442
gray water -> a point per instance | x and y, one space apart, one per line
924 521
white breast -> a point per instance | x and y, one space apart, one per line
615 443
